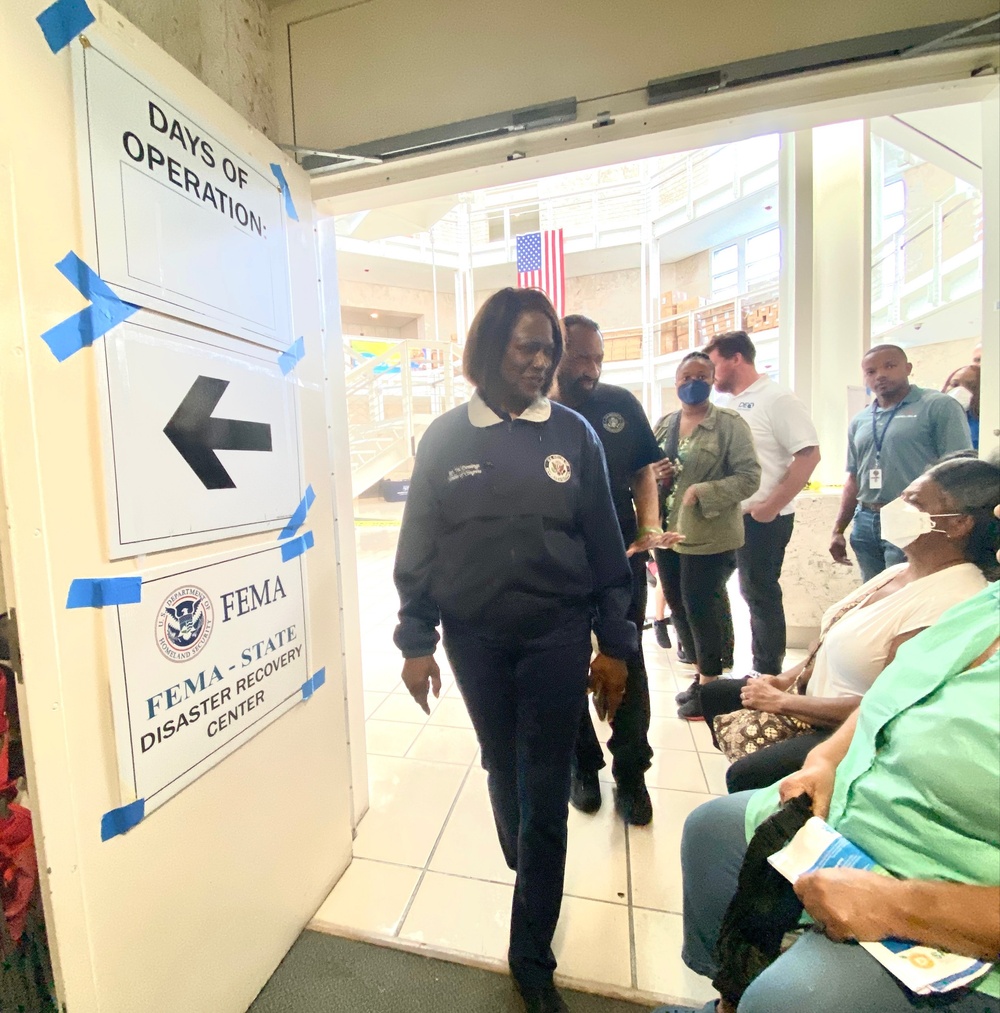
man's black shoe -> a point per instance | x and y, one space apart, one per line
633 804
690 710
662 633
682 657
585 792
542 999
685 694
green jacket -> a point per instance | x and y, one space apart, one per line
723 467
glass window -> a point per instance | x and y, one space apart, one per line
893 207
726 259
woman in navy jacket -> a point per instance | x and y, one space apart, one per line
510 542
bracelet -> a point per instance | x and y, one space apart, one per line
650 531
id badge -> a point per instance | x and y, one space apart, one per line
875 478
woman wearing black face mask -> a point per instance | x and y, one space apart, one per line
709 468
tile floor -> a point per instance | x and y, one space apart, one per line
428 871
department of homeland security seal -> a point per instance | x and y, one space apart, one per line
613 422
557 468
184 623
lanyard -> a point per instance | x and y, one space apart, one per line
876 439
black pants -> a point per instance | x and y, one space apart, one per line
629 742
760 769
695 589
759 563
525 696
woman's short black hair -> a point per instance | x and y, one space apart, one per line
700 357
491 331
974 486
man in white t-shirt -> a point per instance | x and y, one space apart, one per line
788 450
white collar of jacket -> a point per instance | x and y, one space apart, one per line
482 416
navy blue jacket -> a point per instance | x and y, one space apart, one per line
507 525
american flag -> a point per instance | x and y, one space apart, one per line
541 264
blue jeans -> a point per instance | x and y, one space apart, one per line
525 695
873 552
816 974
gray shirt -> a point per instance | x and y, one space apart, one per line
920 430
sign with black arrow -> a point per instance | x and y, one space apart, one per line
203 436
197 435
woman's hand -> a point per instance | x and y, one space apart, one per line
758 695
663 471
607 680
815 779
849 903
418 674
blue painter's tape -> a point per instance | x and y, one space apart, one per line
312 684
82 329
299 517
63 21
280 177
291 357
101 591
295 547
121 821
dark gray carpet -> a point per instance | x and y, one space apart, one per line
326 974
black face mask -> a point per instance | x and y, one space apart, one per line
764 907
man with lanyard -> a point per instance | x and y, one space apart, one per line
630 447
889 445
787 447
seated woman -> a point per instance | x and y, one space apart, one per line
708 468
912 779
862 633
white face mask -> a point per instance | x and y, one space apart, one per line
962 395
903 523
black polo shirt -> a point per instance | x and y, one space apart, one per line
629 444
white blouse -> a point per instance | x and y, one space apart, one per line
855 647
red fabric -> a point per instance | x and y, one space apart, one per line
18 868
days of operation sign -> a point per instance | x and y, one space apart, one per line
184 224
211 655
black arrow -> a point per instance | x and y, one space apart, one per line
197 436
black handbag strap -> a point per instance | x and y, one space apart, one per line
672 436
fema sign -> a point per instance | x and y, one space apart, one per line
211 655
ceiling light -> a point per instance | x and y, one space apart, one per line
374 316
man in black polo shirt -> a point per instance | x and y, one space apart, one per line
630 448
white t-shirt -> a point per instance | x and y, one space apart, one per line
856 646
781 427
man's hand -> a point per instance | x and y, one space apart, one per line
418 674
690 496
763 514
815 779
607 680
849 903
838 549
758 695
665 540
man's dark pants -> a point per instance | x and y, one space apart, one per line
759 562
629 742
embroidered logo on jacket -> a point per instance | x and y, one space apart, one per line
613 422
557 468
464 471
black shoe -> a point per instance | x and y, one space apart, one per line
682 657
542 999
585 792
662 633
685 694
633 804
690 710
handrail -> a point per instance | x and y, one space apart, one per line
929 216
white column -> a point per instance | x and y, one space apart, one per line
795 290
841 277
989 423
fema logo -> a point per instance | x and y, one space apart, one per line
557 468
613 422
184 624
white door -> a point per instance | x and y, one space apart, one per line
170 539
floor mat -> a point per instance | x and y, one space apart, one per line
326 974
